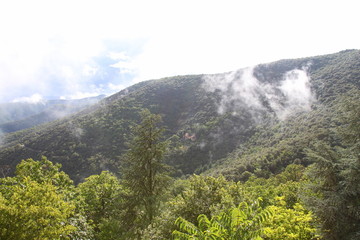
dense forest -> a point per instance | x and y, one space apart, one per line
269 152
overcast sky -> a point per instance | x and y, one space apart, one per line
74 49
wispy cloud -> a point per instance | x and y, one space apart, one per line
241 90
35 98
114 87
297 93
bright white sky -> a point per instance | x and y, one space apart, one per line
70 48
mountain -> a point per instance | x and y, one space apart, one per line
22 115
237 123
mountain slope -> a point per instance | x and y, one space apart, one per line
24 115
207 116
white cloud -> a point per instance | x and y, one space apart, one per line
119 56
296 88
124 63
212 37
297 93
182 37
94 91
80 95
116 88
36 98
89 70
126 66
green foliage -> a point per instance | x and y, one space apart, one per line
290 223
99 200
285 184
144 174
348 116
279 195
206 230
274 146
193 197
242 222
210 197
35 204
205 195
104 209
333 189
44 171
43 195
232 145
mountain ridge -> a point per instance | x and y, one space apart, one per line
200 134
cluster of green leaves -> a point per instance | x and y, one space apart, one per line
36 203
242 222
41 202
290 223
205 207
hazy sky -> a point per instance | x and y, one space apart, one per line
74 48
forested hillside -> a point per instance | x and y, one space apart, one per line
206 117
266 152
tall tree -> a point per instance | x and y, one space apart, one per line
144 173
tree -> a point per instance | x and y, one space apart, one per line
39 203
206 195
242 222
290 223
198 195
144 173
30 210
44 171
99 199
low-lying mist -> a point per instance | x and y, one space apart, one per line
241 89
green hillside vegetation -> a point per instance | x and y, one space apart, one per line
41 202
218 167
94 139
271 149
